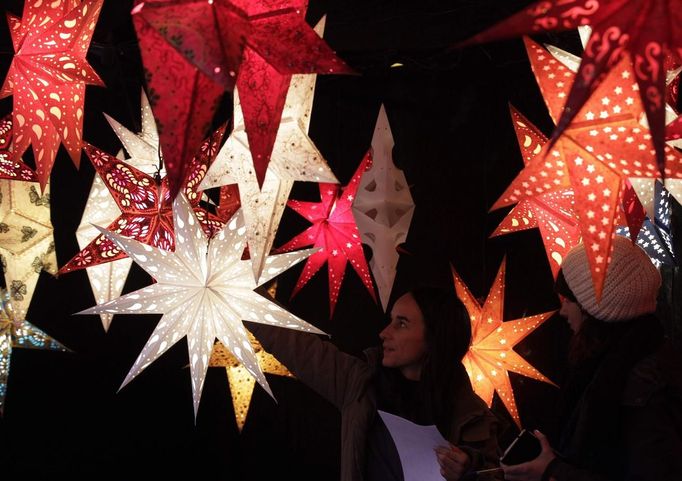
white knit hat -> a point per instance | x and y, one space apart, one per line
631 284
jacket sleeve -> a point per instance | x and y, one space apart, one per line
479 441
319 364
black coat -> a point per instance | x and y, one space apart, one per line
627 424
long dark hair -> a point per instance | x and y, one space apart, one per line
448 336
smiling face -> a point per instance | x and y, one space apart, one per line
404 339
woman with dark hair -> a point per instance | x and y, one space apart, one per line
620 413
416 374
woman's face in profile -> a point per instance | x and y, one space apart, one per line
573 314
403 340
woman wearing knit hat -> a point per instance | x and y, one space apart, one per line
621 406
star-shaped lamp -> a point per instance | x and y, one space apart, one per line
491 355
26 239
335 233
204 291
107 280
383 208
294 158
47 78
655 236
194 50
15 331
241 382
551 211
644 31
11 169
145 204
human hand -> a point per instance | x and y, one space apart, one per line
453 462
532 470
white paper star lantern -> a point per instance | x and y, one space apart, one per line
294 157
383 208
204 291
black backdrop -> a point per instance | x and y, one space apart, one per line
449 116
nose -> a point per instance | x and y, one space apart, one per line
383 335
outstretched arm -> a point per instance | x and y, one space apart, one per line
319 364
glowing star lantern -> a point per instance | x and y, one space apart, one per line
552 211
336 235
194 50
241 382
145 205
15 331
47 78
595 156
294 158
383 208
655 236
26 240
11 169
204 291
643 31
491 355
107 280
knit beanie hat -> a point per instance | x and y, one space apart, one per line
631 284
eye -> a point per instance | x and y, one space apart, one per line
402 323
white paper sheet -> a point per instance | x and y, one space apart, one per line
415 446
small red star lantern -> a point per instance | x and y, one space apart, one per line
642 31
335 233
491 355
194 50
146 205
47 78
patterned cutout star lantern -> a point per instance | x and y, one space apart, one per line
145 204
47 78
194 50
107 280
491 355
204 291
643 32
26 240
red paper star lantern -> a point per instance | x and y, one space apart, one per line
597 153
47 78
491 355
146 205
335 233
194 50
643 31
11 169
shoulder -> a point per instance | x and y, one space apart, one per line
658 372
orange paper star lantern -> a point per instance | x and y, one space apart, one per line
491 355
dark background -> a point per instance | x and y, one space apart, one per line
454 140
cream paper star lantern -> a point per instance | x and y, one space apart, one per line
26 240
204 291
294 157
107 280
383 208
241 382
